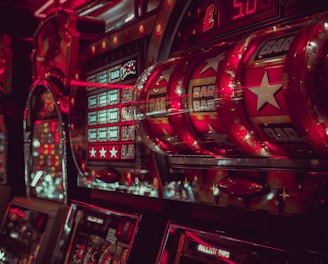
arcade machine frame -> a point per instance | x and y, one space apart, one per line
249 196
236 180
111 65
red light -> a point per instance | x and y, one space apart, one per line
159 30
169 3
41 149
115 40
93 49
53 126
208 21
141 29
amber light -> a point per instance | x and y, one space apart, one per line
141 29
159 29
93 49
169 3
104 45
115 40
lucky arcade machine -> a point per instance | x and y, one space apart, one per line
233 103
32 224
209 147
108 153
218 150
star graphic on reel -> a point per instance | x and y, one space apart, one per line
221 139
165 75
113 152
93 152
266 92
102 152
213 63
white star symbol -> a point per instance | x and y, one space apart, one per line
165 75
102 152
213 63
219 138
265 93
93 152
113 152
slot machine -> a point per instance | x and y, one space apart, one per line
96 235
238 130
112 162
31 224
188 116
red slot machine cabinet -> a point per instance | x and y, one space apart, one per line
113 164
277 176
26 227
107 151
96 235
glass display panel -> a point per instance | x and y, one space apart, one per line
106 149
182 245
21 235
238 13
100 235
45 146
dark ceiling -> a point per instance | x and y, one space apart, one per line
17 17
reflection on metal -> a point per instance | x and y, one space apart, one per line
241 186
179 161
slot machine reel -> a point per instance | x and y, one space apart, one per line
255 105
193 99
152 111
306 83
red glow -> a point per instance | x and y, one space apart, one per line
249 8
17 212
41 149
159 30
41 12
203 243
115 40
93 49
165 257
53 126
169 3
101 85
56 138
208 21
141 29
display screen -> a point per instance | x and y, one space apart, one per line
45 149
221 18
101 236
21 235
46 171
233 14
183 245
102 117
104 141
111 132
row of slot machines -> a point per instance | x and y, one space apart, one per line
194 134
